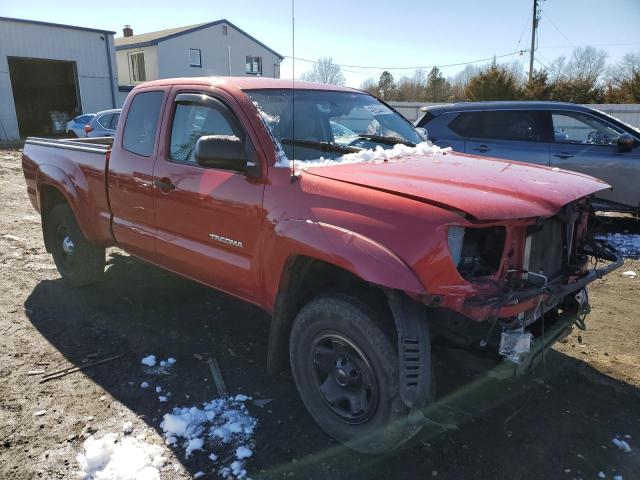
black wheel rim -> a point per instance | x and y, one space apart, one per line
344 377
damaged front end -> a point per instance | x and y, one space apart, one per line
524 284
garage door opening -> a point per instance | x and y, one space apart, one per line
45 93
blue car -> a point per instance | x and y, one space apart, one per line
76 126
563 135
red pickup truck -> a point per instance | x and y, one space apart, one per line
327 209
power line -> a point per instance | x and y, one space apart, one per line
520 52
556 27
526 24
594 45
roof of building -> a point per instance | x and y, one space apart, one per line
249 83
60 25
152 38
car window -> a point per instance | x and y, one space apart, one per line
581 128
105 120
114 121
142 123
190 122
520 125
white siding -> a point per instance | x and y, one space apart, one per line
86 48
150 64
173 54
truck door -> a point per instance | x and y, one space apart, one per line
520 135
587 144
130 175
208 219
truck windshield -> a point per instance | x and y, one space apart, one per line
328 124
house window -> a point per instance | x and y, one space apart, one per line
254 65
195 58
276 70
136 64
225 31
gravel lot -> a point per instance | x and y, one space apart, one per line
559 424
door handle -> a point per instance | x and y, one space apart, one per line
164 184
481 148
563 155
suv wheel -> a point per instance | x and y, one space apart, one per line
346 371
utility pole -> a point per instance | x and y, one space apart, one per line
534 27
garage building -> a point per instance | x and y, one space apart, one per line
49 73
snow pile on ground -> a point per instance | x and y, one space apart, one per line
377 155
630 273
626 243
222 424
118 457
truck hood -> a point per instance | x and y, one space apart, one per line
485 188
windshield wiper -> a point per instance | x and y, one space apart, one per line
387 140
324 146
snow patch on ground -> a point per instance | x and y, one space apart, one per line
149 361
221 424
626 243
621 444
118 457
377 155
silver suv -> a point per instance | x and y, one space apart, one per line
104 124
554 134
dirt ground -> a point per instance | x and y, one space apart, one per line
558 424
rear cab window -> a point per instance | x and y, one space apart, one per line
518 125
141 123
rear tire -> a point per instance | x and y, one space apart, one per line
346 370
79 262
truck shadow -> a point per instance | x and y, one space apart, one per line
529 429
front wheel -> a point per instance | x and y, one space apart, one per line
79 262
346 371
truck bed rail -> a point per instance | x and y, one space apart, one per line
91 145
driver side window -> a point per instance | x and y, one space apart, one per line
190 122
580 128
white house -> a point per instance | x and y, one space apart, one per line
212 48
50 72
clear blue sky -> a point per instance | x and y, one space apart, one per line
358 32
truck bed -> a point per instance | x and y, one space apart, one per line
77 167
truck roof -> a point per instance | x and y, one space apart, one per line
249 83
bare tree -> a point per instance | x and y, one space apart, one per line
370 85
324 71
411 88
586 64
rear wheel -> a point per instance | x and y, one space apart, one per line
79 262
346 369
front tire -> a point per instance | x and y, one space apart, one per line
346 370
78 261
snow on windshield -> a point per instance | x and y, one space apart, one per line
377 155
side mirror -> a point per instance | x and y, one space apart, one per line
625 142
225 152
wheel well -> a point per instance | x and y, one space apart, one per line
303 278
49 198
